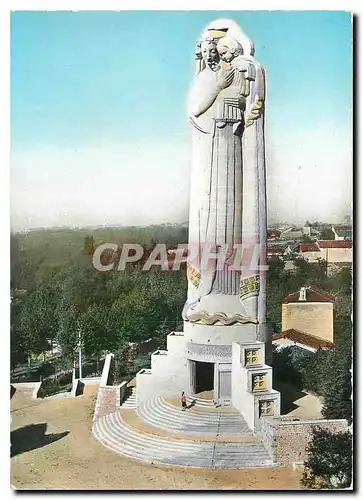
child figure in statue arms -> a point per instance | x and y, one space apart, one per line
232 57
231 54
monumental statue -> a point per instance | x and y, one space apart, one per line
224 344
228 199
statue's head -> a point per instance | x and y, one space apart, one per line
228 48
210 54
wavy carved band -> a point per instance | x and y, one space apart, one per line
206 318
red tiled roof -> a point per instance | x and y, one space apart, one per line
312 295
273 233
275 251
308 247
335 244
303 338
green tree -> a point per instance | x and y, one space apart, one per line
98 336
39 320
315 371
329 463
68 329
88 245
161 333
306 238
81 289
327 234
125 357
338 387
18 342
284 367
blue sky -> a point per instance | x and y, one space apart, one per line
102 94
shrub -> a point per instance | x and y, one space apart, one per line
329 464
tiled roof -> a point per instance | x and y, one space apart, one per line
309 247
335 244
303 338
271 233
275 251
312 295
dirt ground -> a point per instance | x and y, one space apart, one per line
53 449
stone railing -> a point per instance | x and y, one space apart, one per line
106 396
109 360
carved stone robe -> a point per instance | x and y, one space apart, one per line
227 172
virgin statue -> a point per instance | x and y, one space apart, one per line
228 199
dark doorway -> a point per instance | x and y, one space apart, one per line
204 376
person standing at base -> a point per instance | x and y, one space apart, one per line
183 400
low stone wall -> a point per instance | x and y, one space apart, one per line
106 370
268 436
286 441
29 385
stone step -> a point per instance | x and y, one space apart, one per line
163 420
121 438
116 419
177 456
214 416
160 414
213 411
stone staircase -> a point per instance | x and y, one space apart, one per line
112 431
130 399
163 415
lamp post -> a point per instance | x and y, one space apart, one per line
79 354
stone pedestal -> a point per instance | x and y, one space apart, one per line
240 375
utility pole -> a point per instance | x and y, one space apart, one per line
79 354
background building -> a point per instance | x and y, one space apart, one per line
309 311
